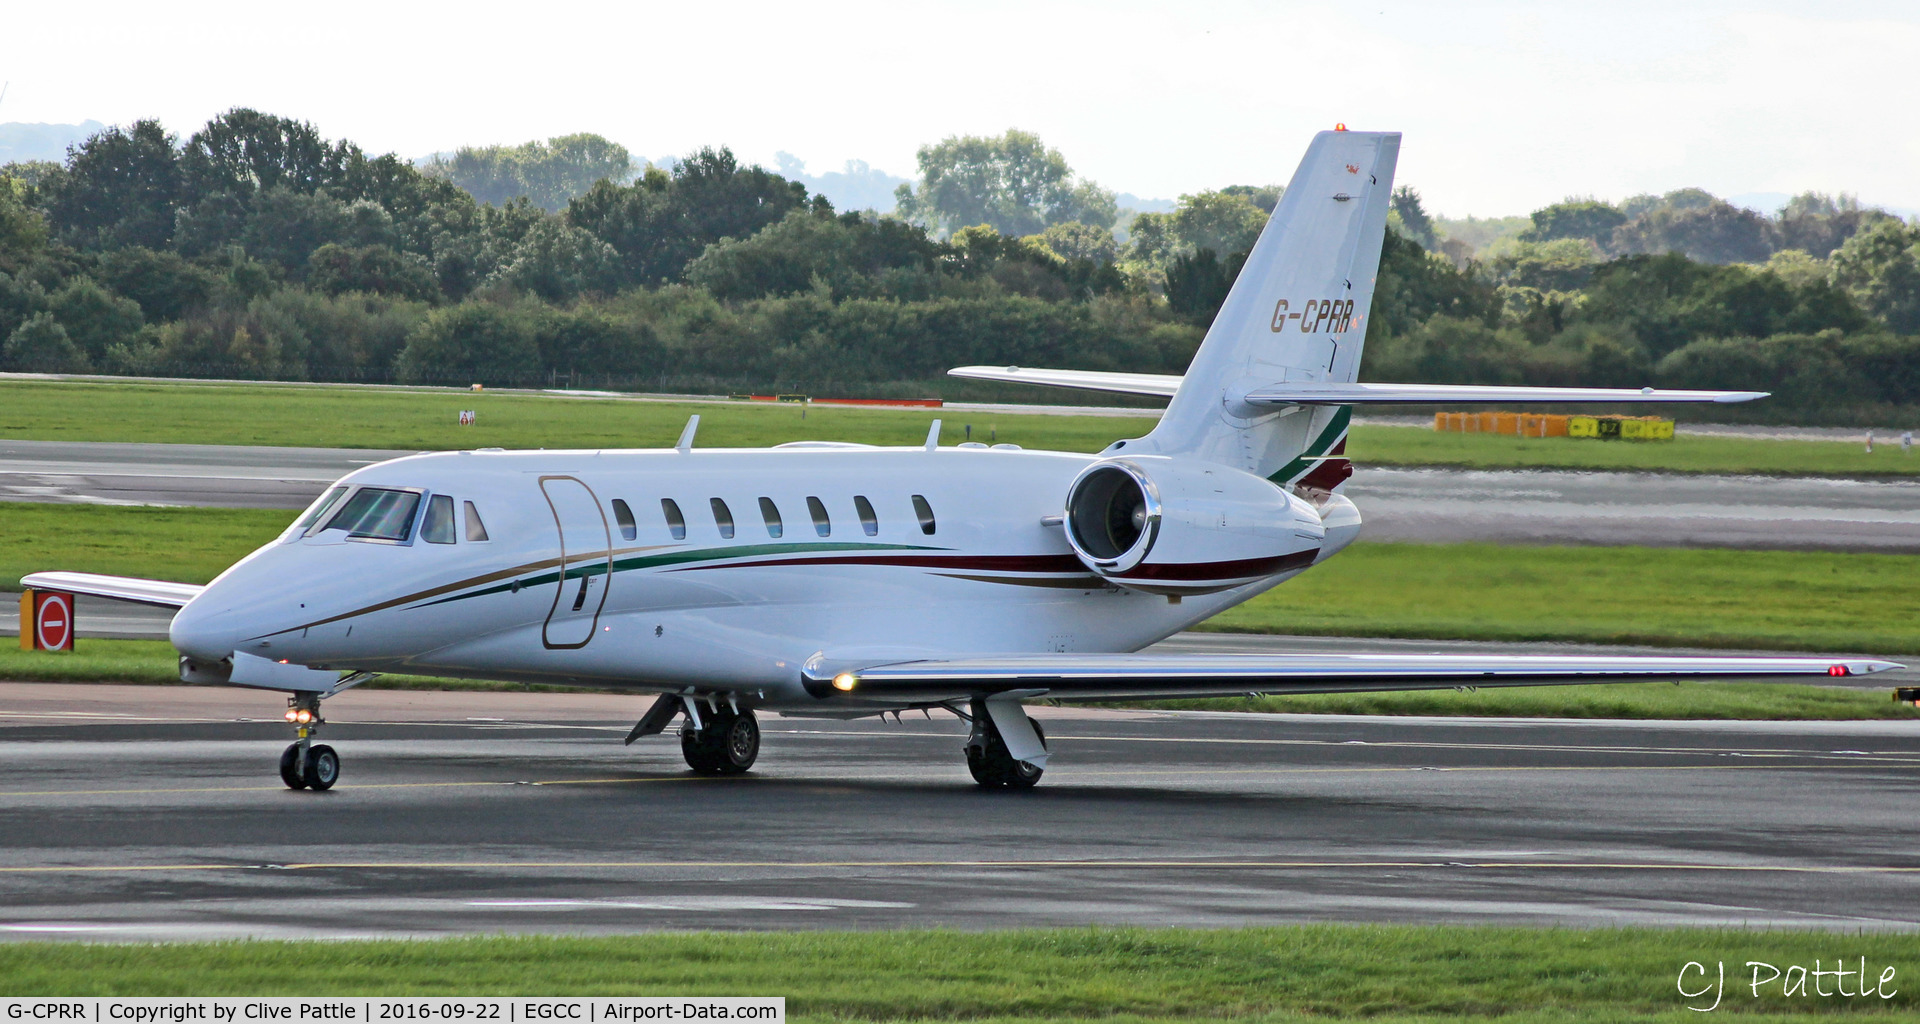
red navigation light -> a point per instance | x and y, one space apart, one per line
1838 670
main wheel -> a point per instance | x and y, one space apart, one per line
323 768
727 745
289 767
993 767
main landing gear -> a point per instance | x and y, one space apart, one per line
305 764
993 765
720 736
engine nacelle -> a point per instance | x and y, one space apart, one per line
1163 526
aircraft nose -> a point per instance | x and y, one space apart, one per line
205 630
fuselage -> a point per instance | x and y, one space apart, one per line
712 570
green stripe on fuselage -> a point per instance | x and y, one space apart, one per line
655 561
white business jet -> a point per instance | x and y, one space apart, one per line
847 580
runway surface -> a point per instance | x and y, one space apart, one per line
1435 505
141 812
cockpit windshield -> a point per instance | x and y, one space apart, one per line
318 508
377 513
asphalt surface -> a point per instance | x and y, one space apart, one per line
140 812
1437 505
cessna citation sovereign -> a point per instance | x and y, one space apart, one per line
847 580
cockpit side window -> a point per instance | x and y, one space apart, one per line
377 513
319 508
437 527
476 530
623 517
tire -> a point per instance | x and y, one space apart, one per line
993 767
727 745
323 768
289 758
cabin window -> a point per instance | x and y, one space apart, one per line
319 508
476 530
868 521
924 512
437 527
771 513
377 513
821 524
723 518
623 517
676 523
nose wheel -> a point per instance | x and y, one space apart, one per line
724 741
306 764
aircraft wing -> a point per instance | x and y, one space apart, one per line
120 588
1141 676
1156 385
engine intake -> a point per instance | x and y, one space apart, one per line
1153 524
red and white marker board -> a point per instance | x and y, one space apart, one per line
52 622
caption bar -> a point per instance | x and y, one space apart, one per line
359 1010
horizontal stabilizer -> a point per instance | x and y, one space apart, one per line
1313 393
120 588
1134 676
1156 385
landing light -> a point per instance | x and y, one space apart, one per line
300 715
844 681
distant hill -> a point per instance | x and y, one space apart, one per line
1129 201
22 141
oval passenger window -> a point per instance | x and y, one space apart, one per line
624 517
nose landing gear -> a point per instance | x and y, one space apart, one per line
726 743
305 764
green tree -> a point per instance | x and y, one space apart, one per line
1718 232
470 343
41 345
1198 284
1012 182
119 188
1588 218
94 318
557 261
548 174
843 253
1818 224
1076 241
244 151
1413 218
661 223
1880 266
377 269
165 284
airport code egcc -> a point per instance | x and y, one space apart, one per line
515 1010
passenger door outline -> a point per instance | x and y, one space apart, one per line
579 520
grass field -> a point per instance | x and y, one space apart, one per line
154 662
396 419
1381 973
1769 600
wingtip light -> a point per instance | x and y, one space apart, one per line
845 681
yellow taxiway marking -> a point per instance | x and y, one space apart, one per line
1191 865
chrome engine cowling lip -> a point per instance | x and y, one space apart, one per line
1149 530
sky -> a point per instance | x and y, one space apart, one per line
1505 106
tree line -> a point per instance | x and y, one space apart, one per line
257 248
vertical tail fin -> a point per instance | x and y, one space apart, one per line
1298 312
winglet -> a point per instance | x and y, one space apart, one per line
933 436
685 444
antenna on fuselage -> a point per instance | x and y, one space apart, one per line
933 436
685 444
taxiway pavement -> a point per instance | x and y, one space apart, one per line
135 813
1435 505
